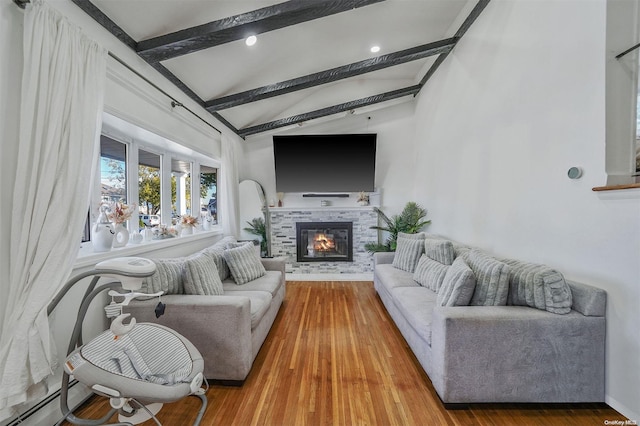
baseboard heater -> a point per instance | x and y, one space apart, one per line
330 195
22 417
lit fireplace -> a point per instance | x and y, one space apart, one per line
324 241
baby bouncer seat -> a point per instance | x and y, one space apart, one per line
138 366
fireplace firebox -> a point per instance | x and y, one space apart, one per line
324 241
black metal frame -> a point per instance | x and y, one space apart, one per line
326 227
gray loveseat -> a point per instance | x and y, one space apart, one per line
228 329
508 353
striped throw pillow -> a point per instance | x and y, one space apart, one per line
538 286
440 250
167 278
409 248
492 279
244 263
201 276
458 285
430 273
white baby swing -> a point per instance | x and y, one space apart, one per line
137 366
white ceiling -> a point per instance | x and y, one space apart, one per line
294 51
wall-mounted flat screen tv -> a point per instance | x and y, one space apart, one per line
325 163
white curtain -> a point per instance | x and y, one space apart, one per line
62 95
230 187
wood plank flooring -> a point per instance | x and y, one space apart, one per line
334 357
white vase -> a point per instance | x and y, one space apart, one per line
102 233
186 230
121 238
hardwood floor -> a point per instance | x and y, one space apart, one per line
334 357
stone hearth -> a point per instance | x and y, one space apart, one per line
283 237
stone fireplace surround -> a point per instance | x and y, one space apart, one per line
283 237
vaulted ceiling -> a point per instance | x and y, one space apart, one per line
312 58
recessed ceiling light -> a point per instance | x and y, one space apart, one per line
251 40
375 49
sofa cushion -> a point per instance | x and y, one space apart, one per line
391 277
244 263
217 255
440 250
458 285
429 273
271 282
260 303
201 276
492 279
538 286
167 278
416 305
408 251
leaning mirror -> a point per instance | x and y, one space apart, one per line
252 214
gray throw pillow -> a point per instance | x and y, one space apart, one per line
538 286
430 273
409 248
167 278
201 276
440 250
217 255
244 263
458 285
492 279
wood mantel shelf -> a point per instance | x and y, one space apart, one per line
616 187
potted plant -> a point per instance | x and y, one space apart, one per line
409 221
257 226
188 222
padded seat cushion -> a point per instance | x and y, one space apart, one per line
137 354
260 303
416 305
271 282
392 277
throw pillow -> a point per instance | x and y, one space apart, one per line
430 273
538 286
458 285
409 248
217 255
440 250
167 278
492 279
244 263
201 276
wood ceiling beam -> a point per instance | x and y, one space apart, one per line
331 75
241 26
102 19
335 109
473 15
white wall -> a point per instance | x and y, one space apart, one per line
394 163
519 101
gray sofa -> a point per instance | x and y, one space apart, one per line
227 329
479 354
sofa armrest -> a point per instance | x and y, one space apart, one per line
382 257
491 353
218 326
275 264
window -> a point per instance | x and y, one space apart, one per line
113 171
209 193
180 189
149 183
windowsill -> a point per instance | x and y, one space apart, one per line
87 257
616 187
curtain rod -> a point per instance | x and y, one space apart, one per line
174 102
629 50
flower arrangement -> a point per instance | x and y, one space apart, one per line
363 198
188 220
163 232
120 212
